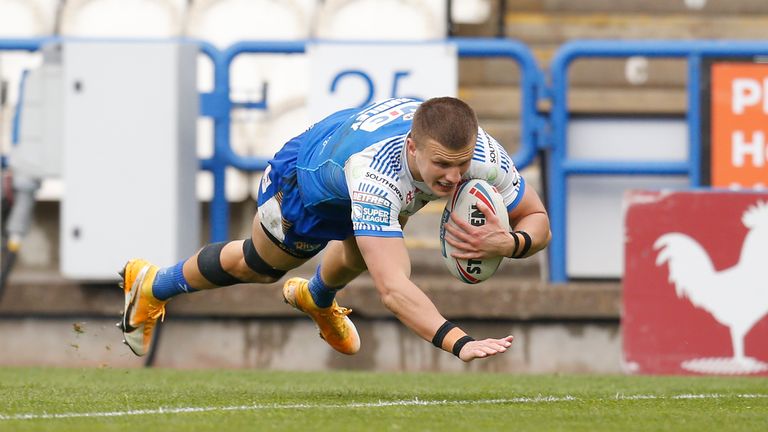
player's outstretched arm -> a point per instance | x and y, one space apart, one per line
389 266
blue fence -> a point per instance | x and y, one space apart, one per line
559 165
218 105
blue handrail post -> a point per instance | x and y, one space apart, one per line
529 86
557 184
219 207
694 119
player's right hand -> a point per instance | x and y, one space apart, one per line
485 348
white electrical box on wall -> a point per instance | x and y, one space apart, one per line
129 155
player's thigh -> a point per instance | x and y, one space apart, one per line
270 252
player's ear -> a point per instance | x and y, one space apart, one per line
410 145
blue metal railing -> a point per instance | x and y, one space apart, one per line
530 89
218 105
559 166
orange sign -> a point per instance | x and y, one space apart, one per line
739 139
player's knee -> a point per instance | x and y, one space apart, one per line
210 267
260 270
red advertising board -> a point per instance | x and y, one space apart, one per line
695 295
739 125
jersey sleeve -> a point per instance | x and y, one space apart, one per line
375 200
492 163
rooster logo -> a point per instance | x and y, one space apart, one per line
736 297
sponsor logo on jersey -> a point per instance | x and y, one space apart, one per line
385 181
382 114
366 198
370 214
408 197
492 153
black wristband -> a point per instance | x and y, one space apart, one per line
437 340
517 244
460 344
526 244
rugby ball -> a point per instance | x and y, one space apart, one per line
464 204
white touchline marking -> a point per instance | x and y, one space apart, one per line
380 404
255 407
620 396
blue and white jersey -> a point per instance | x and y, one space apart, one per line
354 163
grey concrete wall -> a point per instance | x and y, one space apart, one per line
293 344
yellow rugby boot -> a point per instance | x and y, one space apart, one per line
334 325
142 309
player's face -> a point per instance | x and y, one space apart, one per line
440 168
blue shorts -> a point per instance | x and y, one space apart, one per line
287 221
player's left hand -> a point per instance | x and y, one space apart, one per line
477 242
485 348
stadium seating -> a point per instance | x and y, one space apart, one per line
602 86
382 20
121 18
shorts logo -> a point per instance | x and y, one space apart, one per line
370 209
306 246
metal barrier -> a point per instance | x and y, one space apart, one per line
530 89
559 166
218 105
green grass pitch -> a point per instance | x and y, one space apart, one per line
235 400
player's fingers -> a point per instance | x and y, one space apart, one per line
461 247
467 243
478 353
457 232
464 225
499 346
489 215
506 341
490 349
467 255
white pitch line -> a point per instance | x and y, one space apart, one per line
380 404
690 396
256 407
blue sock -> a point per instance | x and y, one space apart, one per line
322 294
170 281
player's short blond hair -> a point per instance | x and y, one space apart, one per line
447 120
